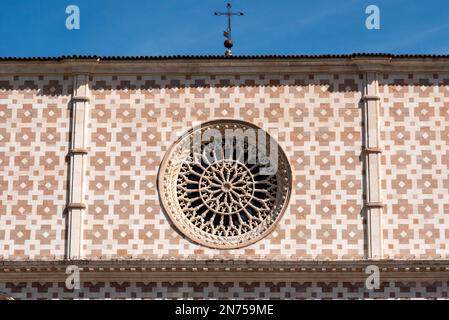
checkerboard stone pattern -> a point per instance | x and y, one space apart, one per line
135 119
227 290
316 119
34 140
415 165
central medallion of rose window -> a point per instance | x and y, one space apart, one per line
226 187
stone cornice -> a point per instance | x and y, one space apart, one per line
203 66
225 270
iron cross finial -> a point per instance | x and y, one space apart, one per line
228 33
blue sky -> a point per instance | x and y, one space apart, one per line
171 27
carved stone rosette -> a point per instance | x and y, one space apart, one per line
216 185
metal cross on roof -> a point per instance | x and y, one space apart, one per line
228 33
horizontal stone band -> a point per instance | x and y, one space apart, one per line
370 98
374 205
371 150
76 206
78 151
80 99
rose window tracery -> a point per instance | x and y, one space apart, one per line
219 193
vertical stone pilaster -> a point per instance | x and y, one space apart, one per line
371 158
78 162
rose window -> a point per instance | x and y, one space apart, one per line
222 192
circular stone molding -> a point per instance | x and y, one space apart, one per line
221 186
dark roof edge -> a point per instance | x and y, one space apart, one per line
217 57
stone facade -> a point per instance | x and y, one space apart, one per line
324 113
227 290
